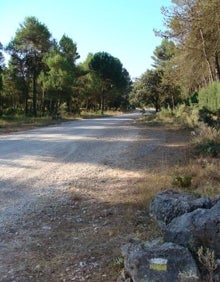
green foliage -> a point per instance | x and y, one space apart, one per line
163 53
114 80
185 116
31 42
192 99
182 181
194 27
42 75
148 89
68 49
158 87
109 69
209 117
209 97
118 262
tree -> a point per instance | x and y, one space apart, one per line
194 25
31 42
164 55
148 89
57 79
89 85
1 70
111 72
68 50
18 77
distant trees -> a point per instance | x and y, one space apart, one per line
158 87
147 90
58 78
42 75
1 74
31 42
114 79
1 66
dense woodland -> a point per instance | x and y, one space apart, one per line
43 76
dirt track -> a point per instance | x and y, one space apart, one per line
63 197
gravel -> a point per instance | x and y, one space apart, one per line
39 167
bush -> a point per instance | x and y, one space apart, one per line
209 97
207 140
186 116
182 181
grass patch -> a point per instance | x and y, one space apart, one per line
206 140
97 114
195 171
16 122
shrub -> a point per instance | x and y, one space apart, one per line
186 116
207 259
207 140
182 181
209 97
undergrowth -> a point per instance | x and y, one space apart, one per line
198 171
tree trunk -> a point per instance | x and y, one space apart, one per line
102 103
34 94
217 66
206 56
26 104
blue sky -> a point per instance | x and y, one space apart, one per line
123 28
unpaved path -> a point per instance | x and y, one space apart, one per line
65 207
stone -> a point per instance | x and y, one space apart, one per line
200 227
170 204
157 261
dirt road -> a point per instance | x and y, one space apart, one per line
62 191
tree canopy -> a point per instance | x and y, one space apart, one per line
43 76
189 54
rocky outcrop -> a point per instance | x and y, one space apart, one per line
156 261
170 204
198 228
188 223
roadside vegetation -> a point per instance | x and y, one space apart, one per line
183 86
197 169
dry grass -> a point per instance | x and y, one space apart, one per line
203 169
204 173
18 123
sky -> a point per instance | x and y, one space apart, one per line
123 28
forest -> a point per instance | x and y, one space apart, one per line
43 77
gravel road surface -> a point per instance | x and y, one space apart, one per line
37 170
44 161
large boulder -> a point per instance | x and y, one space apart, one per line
156 261
198 228
170 204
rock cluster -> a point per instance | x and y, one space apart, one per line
188 223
